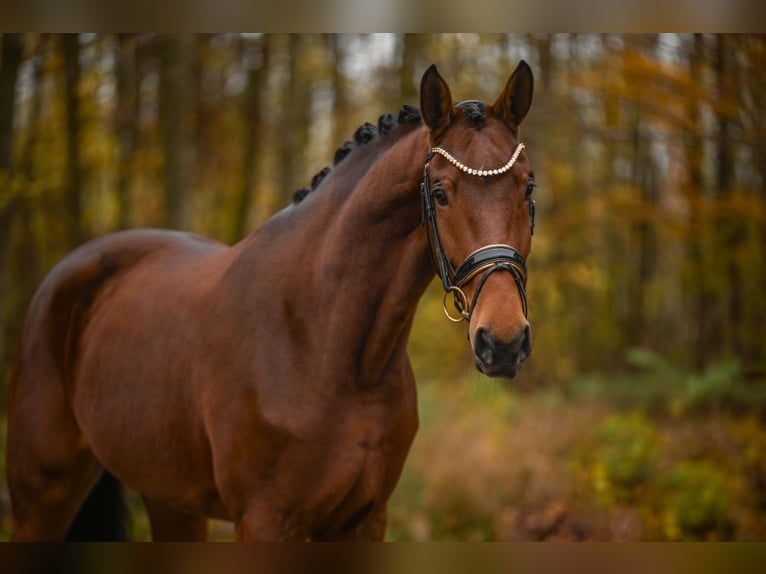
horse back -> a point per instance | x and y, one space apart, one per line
58 312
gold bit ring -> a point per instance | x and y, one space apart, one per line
461 304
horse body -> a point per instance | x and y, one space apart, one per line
266 383
169 377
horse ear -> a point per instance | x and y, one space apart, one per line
435 102
513 104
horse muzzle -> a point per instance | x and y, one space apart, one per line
497 358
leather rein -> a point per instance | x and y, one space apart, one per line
482 262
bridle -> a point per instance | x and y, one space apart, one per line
485 260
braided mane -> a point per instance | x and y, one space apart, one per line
363 135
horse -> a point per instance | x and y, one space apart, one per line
268 383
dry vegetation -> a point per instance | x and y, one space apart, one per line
496 464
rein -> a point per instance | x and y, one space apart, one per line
484 261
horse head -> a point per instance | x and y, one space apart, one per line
479 214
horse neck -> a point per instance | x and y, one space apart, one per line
377 257
372 260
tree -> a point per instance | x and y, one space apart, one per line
411 50
296 117
125 119
257 57
70 48
174 96
11 51
731 232
339 84
695 198
644 181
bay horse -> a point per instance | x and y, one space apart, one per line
267 383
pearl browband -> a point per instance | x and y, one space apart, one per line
479 172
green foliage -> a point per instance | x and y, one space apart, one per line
749 442
437 348
491 463
461 479
650 361
621 457
696 502
658 386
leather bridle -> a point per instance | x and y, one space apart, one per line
482 262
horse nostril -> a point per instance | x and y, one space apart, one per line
485 346
495 357
522 344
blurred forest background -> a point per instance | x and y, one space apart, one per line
640 414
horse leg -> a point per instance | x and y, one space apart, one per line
50 467
371 528
171 525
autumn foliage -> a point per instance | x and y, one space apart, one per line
647 271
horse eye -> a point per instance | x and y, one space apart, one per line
441 195
531 185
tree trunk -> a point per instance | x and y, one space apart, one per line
125 121
11 50
699 312
638 323
731 232
256 83
296 119
12 47
174 99
411 51
756 353
70 46
340 129
26 267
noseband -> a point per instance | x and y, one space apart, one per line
483 261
